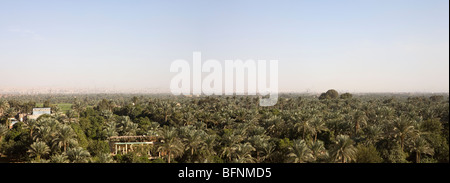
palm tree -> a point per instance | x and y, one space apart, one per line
59 158
268 151
360 119
32 124
105 158
300 152
317 126
344 149
228 150
171 144
421 146
166 109
229 144
43 133
4 106
71 114
111 129
271 123
193 140
207 150
78 107
65 136
56 109
38 149
127 127
318 149
46 130
3 131
153 129
403 128
78 155
258 141
334 120
243 153
373 134
10 112
189 118
303 123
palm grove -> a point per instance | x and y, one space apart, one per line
332 128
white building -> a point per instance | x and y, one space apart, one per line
38 112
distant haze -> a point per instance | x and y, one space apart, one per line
353 46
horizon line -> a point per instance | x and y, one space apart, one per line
169 93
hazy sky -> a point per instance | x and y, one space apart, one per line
348 45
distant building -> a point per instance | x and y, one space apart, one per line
41 111
22 117
38 112
12 121
125 144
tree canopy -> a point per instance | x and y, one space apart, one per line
299 128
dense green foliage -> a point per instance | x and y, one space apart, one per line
300 129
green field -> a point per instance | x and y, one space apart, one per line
64 106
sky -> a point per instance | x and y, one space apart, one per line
347 45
